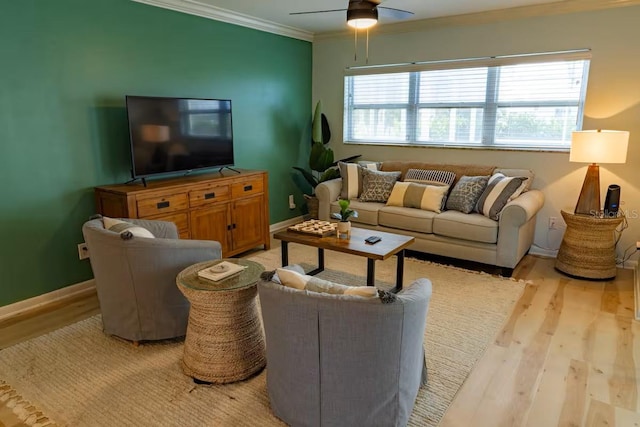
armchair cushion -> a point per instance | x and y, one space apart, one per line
125 229
296 280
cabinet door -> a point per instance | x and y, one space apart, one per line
212 223
248 222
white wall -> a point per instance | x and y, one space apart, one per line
613 97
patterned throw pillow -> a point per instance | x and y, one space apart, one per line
430 176
351 174
466 193
377 186
126 229
420 196
500 190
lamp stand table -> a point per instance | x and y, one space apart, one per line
224 341
588 248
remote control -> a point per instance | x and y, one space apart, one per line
372 239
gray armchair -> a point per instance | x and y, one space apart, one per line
337 360
136 278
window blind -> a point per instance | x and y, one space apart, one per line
528 101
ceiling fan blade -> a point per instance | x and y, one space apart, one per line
317 11
389 12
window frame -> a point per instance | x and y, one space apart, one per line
490 105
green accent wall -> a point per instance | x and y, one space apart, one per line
66 67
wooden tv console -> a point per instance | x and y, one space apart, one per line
227 206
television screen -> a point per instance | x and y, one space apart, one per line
178 134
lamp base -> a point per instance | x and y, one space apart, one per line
589 200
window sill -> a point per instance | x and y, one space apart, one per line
463 147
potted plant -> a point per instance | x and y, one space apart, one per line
321 160
344 226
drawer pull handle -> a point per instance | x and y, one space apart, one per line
209 196
228 227
248 187
233 226
161 205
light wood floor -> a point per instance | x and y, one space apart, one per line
566 356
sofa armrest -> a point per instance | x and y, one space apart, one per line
327 192
521 209
517 228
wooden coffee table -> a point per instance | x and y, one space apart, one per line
391 244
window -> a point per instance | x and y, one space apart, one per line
528 102
205 117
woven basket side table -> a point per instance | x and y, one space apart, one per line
225 340
588 247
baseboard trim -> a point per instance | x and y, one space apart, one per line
284 224
40 301
537 250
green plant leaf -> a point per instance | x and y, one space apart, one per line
313 182
321 157
316 126
329 174
326 131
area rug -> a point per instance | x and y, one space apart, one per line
78 376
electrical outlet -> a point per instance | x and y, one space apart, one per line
292 203
553 223
83 251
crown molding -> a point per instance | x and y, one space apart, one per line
219 14
487 17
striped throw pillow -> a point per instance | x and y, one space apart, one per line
430 176
351 174
420 196
499 190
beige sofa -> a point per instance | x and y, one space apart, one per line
472 237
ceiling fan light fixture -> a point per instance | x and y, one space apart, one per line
362 18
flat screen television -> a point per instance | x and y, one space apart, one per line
170 135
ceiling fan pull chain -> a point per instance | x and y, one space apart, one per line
355 47
366 59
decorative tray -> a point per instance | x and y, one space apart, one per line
315 227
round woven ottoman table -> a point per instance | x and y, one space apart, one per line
224 341
588 248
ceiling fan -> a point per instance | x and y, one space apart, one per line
364 13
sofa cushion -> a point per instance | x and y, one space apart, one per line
367 211
351 174
430 176
420 196
407 219
377 186
499 191
474 226
466 193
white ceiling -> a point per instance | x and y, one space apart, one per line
274 15
277 11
